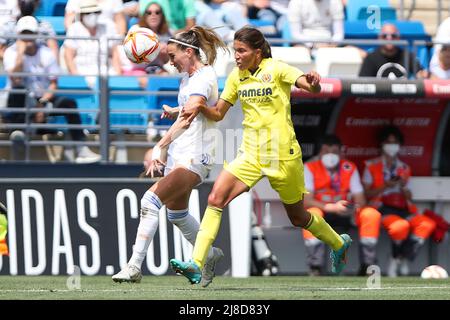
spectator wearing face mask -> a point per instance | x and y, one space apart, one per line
110 10
440 69
81 56
387 186
336 193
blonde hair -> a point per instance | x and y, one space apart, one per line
201 38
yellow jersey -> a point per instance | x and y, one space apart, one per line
265 99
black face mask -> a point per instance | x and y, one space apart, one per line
27 7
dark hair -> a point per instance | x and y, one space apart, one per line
329 140
27 7
206 39
254 39
385 132
163 27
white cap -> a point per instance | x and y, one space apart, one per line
89 6
27 23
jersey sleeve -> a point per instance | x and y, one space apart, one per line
202 86
230 93
355 183
288 74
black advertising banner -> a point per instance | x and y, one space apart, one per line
56 225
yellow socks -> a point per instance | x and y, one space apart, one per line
209 228
322 231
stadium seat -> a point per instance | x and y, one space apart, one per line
286 33
338 62
88 100
224 62
56 22
51 8
298 57
386 13
354 7
160 84
127 101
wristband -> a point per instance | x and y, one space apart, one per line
156 153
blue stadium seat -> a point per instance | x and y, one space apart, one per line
386 13
127 101
354 7
424 55
156 102
3 80
51 8
56 22
84 101
286 33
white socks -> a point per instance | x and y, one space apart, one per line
150 205
187 224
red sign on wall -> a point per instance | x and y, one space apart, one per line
418 119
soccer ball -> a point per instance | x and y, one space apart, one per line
141 45
434 272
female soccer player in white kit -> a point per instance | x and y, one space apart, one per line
190 151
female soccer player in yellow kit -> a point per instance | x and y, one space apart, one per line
269 147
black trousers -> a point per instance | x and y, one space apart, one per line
17 100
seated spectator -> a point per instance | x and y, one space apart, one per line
29 56
225 14
27 8
388 61
81 56
180 14
441 68
332 182
274 12
155 20
387 186
312 20
110 10
9 11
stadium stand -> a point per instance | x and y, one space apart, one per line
117 102
298 57
357 9
338 62
161 84
52 8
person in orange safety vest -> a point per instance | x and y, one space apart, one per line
387 186
336 193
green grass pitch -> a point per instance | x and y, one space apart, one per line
223 288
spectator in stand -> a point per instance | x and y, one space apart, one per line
9 11
27 8
110 10
312 20
442 36
336 193
225 14
29 56
441 69
81 56
387 186
272 11
155 20
388 61
180 14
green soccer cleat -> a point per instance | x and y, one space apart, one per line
339 258
188 269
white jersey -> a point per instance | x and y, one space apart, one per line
195 145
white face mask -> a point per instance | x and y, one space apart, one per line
90 20
391 149
330 160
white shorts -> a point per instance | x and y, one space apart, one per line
200 166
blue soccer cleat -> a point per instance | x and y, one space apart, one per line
188 269
339 258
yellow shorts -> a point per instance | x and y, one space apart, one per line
285 176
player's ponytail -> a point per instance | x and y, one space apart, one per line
205 42
254 39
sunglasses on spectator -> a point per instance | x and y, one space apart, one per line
392 35
149 13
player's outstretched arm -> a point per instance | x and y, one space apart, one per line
215 113
309 82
